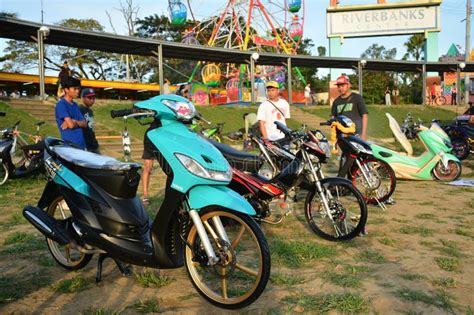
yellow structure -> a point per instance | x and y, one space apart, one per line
102 84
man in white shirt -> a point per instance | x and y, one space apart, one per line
271 110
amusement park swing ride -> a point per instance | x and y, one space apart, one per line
250 25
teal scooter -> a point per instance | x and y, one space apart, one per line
90 207
437 161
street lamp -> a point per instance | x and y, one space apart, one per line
461 67
43 32
362 64
253 58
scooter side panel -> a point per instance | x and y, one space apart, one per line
405 166
203 196
177 138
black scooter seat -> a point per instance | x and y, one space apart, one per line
243 161
91 160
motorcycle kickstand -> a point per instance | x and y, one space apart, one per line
125 270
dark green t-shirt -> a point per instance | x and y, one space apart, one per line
352 107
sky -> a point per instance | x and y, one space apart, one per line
452 14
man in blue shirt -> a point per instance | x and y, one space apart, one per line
69 118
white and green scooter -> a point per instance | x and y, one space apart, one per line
437 161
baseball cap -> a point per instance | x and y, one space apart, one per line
87 92
343 79
273 84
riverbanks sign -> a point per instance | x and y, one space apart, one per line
383 19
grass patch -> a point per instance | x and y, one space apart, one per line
187 297
416 230
388 241
429 244
13 288
345 280
279 278
146 306
412 276
323 303
448 264
462 232
448 282
74 285
295 254
18 237
425 216
99 311
371 256
376 220
450 248
152 279
426 203
25 247
440 299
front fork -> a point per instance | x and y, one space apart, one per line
218 234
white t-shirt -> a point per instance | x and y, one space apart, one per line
269 114
307 91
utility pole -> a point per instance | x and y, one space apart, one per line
468 50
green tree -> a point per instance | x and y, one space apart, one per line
375 82
22 56
415 46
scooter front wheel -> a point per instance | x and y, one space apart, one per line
65 255
347 213
3 173
380 183
447 174
243 269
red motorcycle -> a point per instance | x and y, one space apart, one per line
334 208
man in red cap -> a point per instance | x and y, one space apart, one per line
352 105
88 99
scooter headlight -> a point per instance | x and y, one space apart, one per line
197 169
184 111
361 148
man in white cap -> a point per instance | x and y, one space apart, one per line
273 109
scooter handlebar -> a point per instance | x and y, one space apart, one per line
121 112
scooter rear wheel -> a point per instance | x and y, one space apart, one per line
452 172
243 270
382 179
3 173
65 255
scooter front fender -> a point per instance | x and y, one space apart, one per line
204 196
446 157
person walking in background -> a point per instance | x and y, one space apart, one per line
388 96
395 95
307 94
433 93
88 100
454 94
166 87
69 118
64 74
271 110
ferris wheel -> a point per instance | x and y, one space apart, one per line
255 25
268 25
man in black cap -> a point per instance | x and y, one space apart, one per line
69 118
88 99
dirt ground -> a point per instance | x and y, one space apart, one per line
416 259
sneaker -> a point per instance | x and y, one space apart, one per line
364 231
145 201
390 201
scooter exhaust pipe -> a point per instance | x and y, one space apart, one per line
46 224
